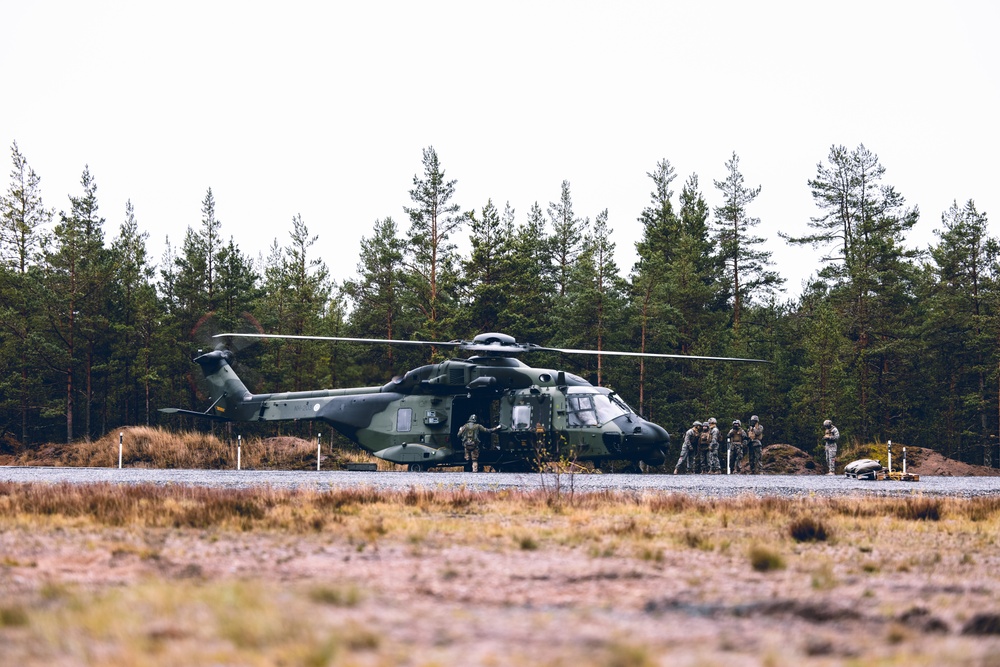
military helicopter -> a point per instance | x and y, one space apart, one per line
413 420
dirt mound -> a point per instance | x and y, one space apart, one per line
922 461
782 459
787 460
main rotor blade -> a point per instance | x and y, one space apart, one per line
655 355
341 339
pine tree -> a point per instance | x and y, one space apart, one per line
23 219
531 283
431 254
568 232
77 277
309 290
596 293
746 264
376 297
656 250
872 276
134 317
959 330
486 269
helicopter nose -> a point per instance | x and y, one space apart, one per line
647 435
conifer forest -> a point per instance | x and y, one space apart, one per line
890 341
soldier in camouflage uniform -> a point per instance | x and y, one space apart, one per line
830 437
704 439
756 435
689 449
469 433
737 437
713 447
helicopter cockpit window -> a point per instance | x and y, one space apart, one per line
593 409
521 417
404 420
581 410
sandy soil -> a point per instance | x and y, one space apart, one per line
431 603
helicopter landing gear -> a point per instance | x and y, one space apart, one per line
633 468
416 467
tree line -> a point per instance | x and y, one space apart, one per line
889 341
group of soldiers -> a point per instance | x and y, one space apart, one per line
700 450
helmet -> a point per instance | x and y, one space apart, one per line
696 424
754 419
711 420
736 423
827 424
472 418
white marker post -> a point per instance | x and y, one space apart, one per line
121 438
239 450
904 460
890 456
319 437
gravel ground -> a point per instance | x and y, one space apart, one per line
699 485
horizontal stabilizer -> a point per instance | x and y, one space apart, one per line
203 415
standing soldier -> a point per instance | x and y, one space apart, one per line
689 448
704 439
737 437
756 435
830 437
469 433
713 447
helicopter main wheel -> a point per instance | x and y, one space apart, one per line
416 467
632 468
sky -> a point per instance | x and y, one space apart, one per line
323 109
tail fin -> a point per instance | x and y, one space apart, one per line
227 391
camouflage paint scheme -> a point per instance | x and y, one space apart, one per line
414 420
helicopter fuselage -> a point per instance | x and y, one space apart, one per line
544 414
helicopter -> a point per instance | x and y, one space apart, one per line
542 414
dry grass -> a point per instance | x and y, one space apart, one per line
148 447
496 571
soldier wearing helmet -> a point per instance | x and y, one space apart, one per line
756 435
689 449
737 439
830 437
469 433
712 455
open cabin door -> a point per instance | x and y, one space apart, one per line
528 418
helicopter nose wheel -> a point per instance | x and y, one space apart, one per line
416 467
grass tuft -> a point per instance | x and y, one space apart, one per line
920 509
763 559
808 529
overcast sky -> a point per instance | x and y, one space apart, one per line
323 109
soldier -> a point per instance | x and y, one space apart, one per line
756 435
469 433
689 448
830 437
704 442
736 437
713 447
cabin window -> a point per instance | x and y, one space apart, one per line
521 417
404 420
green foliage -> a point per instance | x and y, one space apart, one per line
888 341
